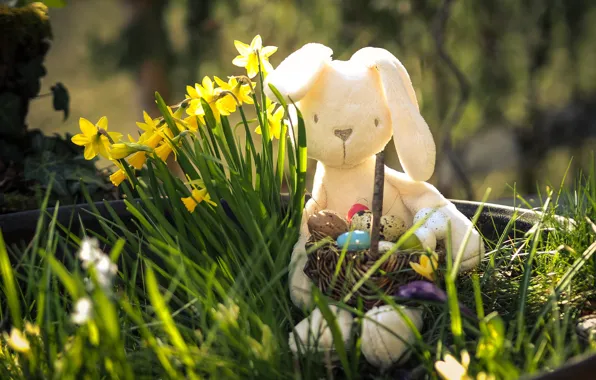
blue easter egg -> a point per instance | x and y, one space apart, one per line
357 240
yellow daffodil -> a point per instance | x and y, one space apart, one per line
17 340
195 111
197 196
176 115
32 329
451 369
148 139
93 139
137 160
118 177
240 91
163 151
427 266
121 150
207 91
150 125
274 120
249 56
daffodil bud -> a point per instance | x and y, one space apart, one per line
124 149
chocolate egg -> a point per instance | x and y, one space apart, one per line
326 223
362 220
392 227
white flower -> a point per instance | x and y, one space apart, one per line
82 311
451 369
89 251
93 257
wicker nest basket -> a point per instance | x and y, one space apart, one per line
395 271
337 279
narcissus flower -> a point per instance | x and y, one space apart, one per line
207 91
163 151
93 138
119 151
197 196
274 120
249 56
118 177
150 125
83 310
17 341
240 91
451 369
32 329
427 266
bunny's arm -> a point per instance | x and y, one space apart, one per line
422 197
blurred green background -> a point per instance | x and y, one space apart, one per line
508 87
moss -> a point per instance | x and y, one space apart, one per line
24 33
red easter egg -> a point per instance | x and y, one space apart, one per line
354 209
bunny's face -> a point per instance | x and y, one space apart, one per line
341 132
351 108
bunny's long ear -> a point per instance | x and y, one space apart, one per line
413 140
298 72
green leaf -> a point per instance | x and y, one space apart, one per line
61 98
9 287
70 284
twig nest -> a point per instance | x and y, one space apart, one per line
362 220
313 333
392 227
427 238
386 336
327 223
437 221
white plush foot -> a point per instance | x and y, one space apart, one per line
313 333
300 283
386 336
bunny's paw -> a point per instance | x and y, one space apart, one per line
313 333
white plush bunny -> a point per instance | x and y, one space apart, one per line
351 109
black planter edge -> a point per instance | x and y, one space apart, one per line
20 226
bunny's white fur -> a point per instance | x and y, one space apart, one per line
351 109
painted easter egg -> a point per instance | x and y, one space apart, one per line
354 209
362 220
327 223
392 227
354 240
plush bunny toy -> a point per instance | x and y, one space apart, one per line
351 109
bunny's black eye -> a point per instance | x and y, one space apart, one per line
316 118
376 122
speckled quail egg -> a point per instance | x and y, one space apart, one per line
362 220
392 227
327 223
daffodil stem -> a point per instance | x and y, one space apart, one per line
106 134
377 204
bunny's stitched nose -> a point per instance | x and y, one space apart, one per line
343 134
